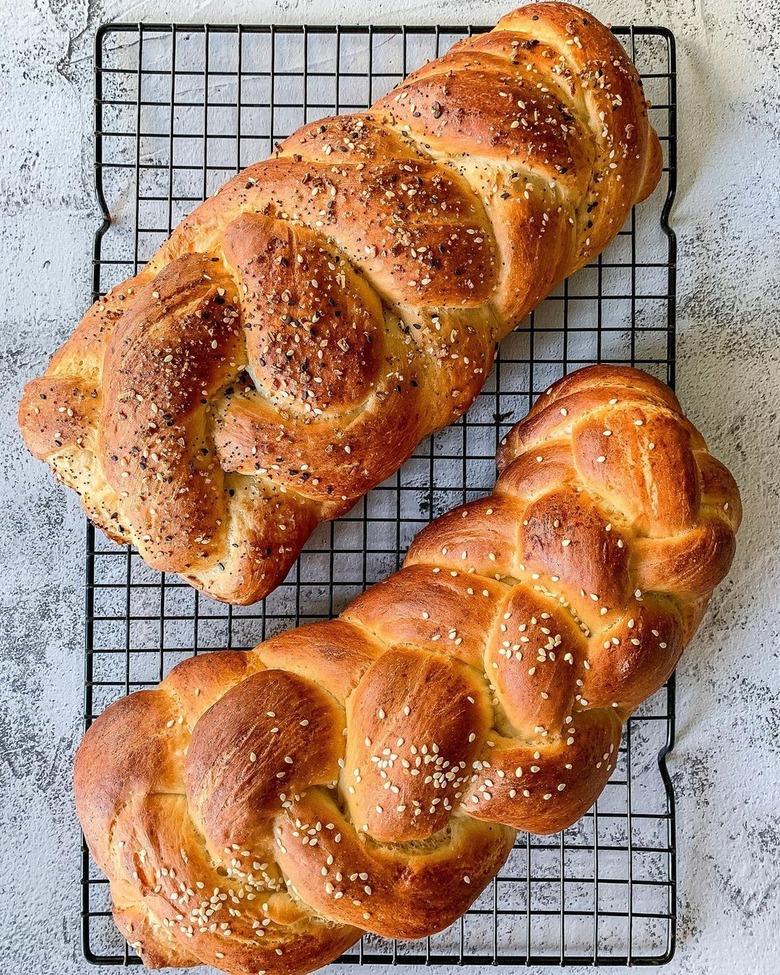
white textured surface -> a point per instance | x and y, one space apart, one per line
725 765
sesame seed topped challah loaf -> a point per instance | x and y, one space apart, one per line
300 332
259 810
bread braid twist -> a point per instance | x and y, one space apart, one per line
304 329
260 809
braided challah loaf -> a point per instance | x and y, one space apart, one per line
302 331
260 809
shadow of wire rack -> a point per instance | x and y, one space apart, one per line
179 109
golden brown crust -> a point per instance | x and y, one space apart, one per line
300 332
367 773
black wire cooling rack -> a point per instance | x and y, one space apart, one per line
178 109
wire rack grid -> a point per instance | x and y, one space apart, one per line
180 108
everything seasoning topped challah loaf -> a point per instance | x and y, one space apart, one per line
303 330
259 810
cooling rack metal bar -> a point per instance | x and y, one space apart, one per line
178 109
